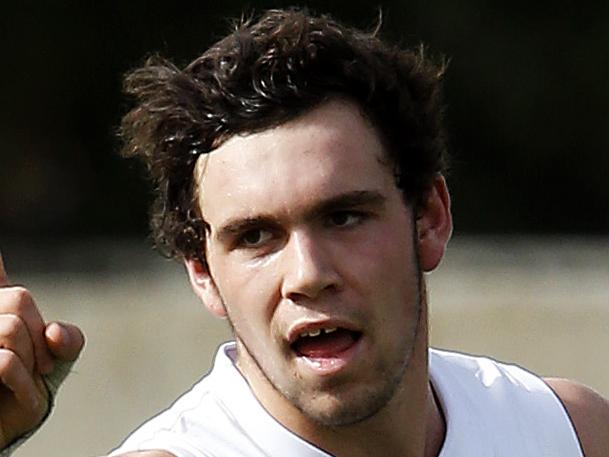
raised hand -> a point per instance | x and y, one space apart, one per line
29 349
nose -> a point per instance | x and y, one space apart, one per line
309 269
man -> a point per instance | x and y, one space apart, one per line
300 167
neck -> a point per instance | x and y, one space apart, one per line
410 425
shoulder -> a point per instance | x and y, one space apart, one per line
589 413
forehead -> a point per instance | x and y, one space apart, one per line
330 150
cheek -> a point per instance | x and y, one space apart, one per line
384 272
250 292
384 255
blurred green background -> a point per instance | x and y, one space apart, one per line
525 280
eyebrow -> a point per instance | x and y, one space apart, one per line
347 200
342 201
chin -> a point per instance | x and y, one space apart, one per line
345 408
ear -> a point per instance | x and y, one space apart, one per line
204 287
434 225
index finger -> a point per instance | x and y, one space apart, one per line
22 305
3 275
18 300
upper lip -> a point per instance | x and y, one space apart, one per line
308 326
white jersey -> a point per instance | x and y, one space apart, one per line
491 409
499 410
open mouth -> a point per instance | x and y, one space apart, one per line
325 343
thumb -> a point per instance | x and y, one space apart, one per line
65 341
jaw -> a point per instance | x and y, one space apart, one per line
397 421
326 366
410 423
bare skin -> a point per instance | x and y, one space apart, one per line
337 247
28 348
292 275
588 410
589 413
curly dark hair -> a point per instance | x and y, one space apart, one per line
263 74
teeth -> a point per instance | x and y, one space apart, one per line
311 333
317 332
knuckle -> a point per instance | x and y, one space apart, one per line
8 360
11 326
21 298
21 292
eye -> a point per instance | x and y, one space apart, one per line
345 218
254 238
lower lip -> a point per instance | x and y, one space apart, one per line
326 366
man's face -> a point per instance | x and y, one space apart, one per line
311 252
